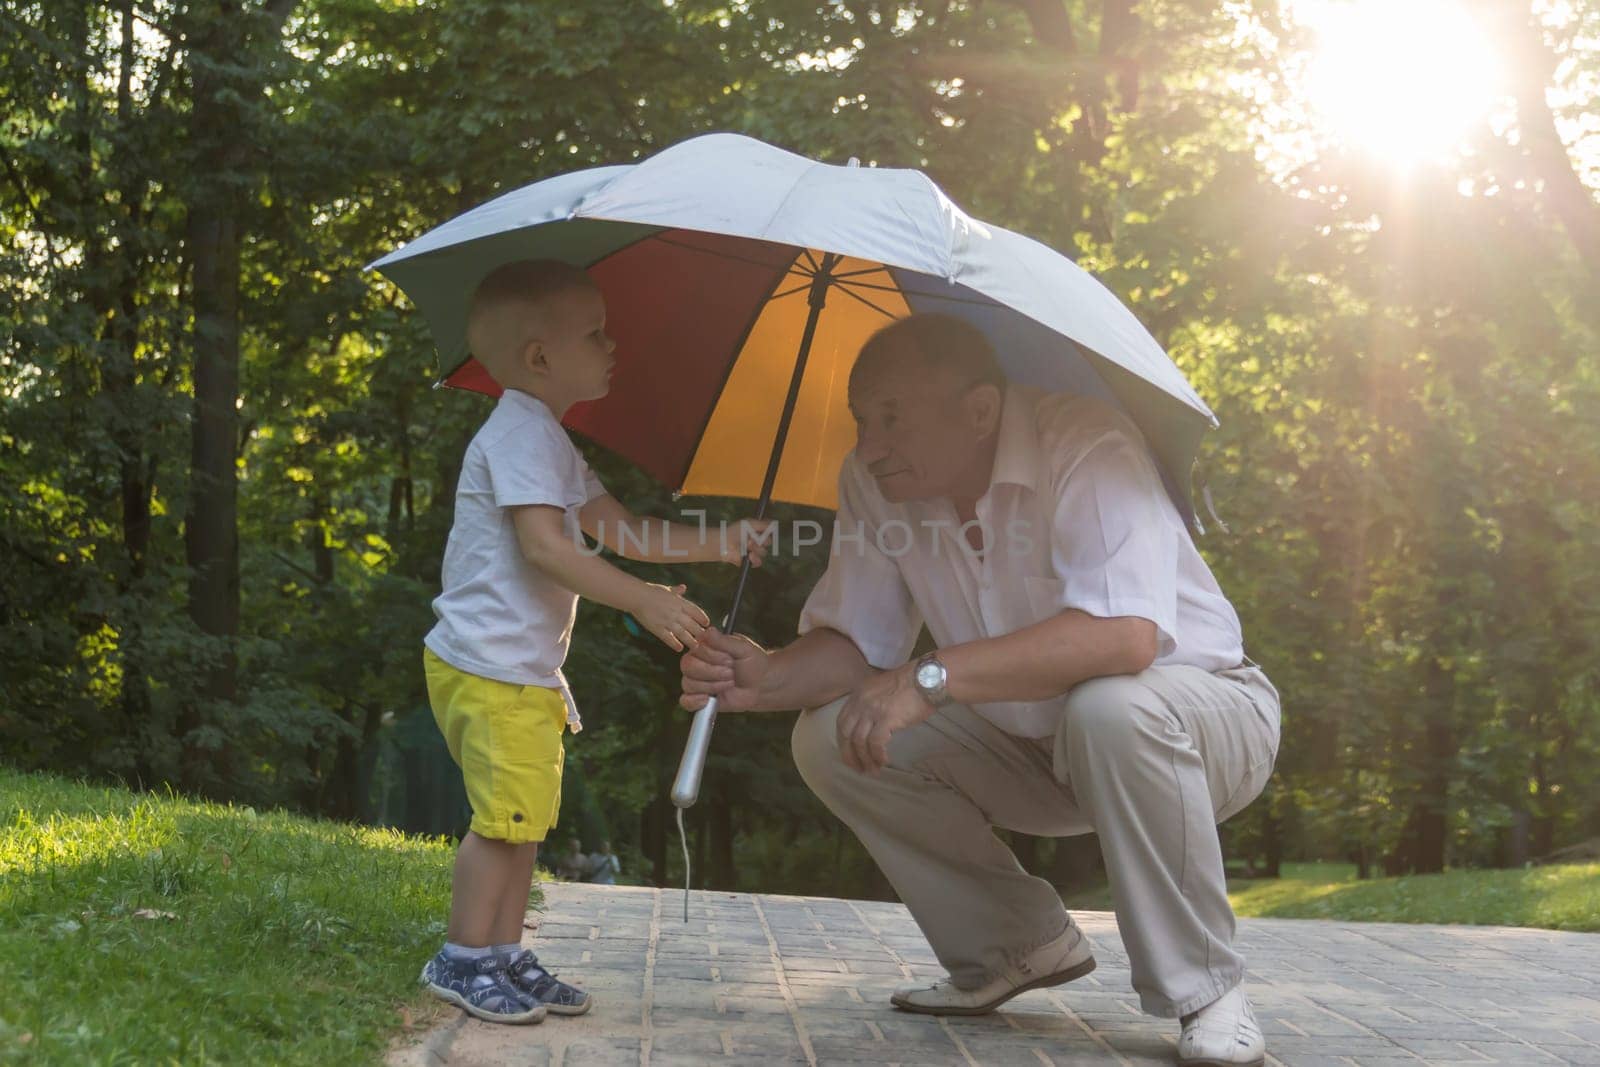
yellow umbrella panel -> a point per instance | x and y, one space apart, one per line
735 448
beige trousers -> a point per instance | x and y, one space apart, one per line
1151 762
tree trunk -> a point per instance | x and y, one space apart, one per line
1077 862
1534 66
1026 848
720 874
1271 844
1433 811
228 73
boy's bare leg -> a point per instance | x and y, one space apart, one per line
513 904
527 973
484 868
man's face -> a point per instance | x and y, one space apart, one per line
911 432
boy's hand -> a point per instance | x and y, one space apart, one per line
755 537
729 667
663 611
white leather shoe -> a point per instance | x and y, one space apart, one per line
1224 1033
1053 963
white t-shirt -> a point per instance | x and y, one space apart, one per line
1075 517
499 616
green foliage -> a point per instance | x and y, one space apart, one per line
1405 372
206 933
1557 897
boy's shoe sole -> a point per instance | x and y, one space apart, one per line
1059 978
576 1009
534 1014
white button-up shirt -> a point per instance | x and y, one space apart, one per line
1075 517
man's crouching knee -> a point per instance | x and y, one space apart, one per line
1104 716
816 748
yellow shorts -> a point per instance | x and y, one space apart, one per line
507 741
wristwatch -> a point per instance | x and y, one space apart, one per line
931 678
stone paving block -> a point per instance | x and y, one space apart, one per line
1051 1028
1438 1051
1461 1030
1513 1052
844 1050
601 1052
1285 1048
770 981
1155 1046
1545 1035
687 1042
1582 1057
1107 1022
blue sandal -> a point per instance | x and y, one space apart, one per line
528 976
481 988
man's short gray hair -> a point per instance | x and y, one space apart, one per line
940 342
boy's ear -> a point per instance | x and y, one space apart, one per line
532 357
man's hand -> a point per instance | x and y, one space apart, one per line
674 620
729 667
879 706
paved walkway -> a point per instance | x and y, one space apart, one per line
800 980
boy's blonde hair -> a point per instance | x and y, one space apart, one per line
505 311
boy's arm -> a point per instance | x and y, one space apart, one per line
608 520
542 537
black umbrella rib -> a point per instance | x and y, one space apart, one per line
721 255
879 269
738 350
853 296
869 285
953 299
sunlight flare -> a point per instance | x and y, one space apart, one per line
1404 80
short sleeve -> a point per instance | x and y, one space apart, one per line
1114 537
862 594
537 463
591 482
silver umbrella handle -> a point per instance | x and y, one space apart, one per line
686 787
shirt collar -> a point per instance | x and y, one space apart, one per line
1016 455
527 402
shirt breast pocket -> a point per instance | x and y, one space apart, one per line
1044 597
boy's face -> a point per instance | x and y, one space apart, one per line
574 348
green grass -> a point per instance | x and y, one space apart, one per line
139 929
1558 897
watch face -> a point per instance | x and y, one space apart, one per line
930 676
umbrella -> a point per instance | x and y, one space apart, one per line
740 282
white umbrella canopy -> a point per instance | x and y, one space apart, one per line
905 247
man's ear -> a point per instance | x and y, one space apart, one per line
982 408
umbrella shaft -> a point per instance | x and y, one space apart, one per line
686 787
817 298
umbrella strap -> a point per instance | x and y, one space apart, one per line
683 839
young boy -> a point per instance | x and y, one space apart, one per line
513 572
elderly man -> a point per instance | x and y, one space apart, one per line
1089 676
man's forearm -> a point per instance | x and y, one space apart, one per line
1048 658
821 666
